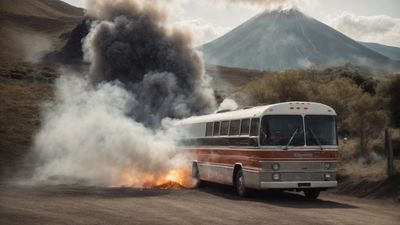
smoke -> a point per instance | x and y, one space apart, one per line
32 53
112 126
157 63
86 136
228 104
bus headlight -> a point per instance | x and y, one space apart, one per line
275 166
327 166
276 176
328 176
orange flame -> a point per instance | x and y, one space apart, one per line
173 179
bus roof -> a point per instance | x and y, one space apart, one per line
286 108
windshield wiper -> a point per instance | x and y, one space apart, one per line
265 136
315 138
291 139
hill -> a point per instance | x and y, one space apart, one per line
24 22
27 27
388 51
287 39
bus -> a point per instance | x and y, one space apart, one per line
286 146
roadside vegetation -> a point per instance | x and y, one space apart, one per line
365 105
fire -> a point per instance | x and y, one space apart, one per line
173 179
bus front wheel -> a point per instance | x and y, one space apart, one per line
240 187
311 193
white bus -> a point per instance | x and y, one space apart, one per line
286 146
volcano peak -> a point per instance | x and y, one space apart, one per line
286 39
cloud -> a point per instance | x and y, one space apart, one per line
271 4
266 4
381 28
202 32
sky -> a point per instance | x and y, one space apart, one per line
362 20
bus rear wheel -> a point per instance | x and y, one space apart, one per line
240 187
196 175
311 193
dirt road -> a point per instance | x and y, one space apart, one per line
212 205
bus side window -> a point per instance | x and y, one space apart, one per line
224 128
209 129
216 129
245 128
254 126
234 128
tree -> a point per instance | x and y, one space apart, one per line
278 87
367 120
394 93
338 94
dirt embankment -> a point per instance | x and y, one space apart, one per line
367 188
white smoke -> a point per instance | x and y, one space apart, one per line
108 127
32 52
228 104
87 136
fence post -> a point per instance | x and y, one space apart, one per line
389 151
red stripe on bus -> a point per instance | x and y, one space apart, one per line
253 158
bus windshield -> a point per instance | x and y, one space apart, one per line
320 130
282 130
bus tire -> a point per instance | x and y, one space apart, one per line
200 183
239 184
311 193
196 175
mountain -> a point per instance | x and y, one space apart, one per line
24 22
287 39
388 51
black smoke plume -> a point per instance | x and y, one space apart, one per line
130 42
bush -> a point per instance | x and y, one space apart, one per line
361 113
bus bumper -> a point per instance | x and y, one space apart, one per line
297 184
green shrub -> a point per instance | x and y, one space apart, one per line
361 112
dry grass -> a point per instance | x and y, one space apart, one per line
20 102
372 165
26 28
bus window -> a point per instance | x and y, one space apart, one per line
320 130
234 128
282 130
224 128
209 129
245 128
216 129
254 126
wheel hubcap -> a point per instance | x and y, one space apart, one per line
241 184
